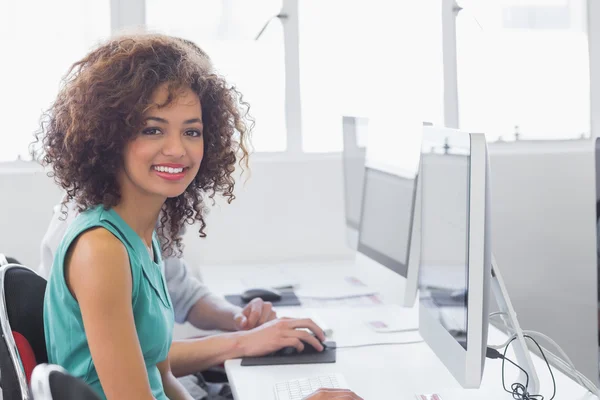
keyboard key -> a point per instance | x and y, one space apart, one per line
297 389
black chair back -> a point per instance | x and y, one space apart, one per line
51 382
21 310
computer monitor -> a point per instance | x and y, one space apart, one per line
455 262
354 155
389 227
597 162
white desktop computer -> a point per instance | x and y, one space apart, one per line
389 217
457 270
389 233
455 263
353 156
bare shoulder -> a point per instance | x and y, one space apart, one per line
97 261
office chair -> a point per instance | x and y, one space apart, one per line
23 344
7 260
50 381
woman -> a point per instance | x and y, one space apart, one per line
142 130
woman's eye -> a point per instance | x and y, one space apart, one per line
193 133
151 131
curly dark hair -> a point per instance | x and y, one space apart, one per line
100 108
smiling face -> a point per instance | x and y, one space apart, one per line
165 156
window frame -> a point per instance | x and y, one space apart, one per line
451 106
127 14
132 13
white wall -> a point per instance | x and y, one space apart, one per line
543 226
289 209
27 198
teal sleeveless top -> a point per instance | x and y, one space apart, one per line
65 335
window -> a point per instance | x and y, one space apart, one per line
226 30
39 45
523 67
366 59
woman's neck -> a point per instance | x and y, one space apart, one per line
141 214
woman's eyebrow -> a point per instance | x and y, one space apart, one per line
193 121
164 121
157 119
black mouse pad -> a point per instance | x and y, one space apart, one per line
287 299
325 357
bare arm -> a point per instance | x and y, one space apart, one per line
213 312
99 276
193 302
173 389
194 355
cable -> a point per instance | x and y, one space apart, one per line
503 345
400 330
565 363
547 364
587 383
501 315
498 313
375 344
565 359
518 390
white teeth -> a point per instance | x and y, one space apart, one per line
169 170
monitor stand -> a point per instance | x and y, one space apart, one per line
512 324
352 237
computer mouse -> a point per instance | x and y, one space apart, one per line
263 293
308 349
287 351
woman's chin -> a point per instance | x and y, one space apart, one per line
170 192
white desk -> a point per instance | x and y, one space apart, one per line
377 372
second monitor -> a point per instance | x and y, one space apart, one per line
389 231
354 155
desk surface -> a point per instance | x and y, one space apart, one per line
375 372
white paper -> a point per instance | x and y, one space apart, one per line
342 288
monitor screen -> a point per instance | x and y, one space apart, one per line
443 279
386 225
354 155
